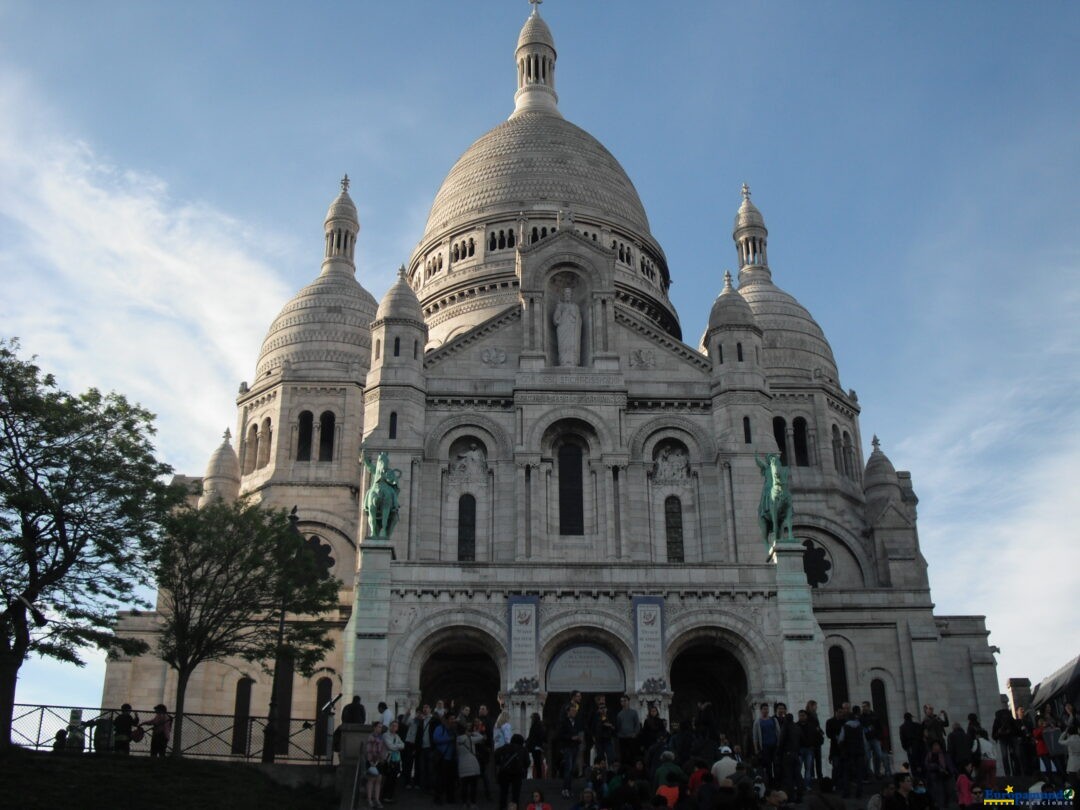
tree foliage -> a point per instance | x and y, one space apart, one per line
228 572
81 500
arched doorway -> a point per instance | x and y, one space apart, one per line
590 669
463 671
709 686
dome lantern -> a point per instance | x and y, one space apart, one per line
341 227
535 56
750 235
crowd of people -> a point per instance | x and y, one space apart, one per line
621 761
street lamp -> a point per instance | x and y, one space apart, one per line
270 734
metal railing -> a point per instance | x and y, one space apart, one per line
205 736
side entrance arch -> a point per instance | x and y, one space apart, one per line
709 687
461 670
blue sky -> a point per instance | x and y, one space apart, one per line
165 168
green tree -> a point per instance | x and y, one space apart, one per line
81 499
229 574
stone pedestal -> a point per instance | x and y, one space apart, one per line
366 653
350 758
803 643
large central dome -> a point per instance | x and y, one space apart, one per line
533 158
529 178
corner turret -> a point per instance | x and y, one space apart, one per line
222 478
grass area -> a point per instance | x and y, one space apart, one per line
41 781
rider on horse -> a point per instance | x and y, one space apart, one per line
381 499
774 508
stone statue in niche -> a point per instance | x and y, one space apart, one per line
672 464
469 463
567 319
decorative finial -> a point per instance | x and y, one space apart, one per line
558 220
536 6
345 183
727 282
746 192
876 443
401 272
226 435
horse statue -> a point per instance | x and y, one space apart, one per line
774 509
381 499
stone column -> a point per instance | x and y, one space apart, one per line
803 642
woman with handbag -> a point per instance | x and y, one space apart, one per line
392 769
376 765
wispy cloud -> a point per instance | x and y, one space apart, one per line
115 283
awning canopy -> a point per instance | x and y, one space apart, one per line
1057 684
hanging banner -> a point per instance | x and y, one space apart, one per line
649 637
523 616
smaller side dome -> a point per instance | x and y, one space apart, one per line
730 308
535 32
880 481
222 479
400 301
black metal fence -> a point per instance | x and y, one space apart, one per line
205 736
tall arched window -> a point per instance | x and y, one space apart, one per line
673 528
378 349
802 448
265 437
251 449
415 349
719 352
779 429
837 450
849 456
305 428
327 427
324 688
838 676
397 347
571 494
738 352
393 424
466 529
241 716
746 430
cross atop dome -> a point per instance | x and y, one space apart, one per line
745 191
536 5
227 434
875 442
345 182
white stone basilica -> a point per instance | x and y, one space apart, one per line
578 486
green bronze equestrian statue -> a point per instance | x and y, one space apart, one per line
774 509
381 499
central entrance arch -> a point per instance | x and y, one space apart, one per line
461 670
587 668
709 686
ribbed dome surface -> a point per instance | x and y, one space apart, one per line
326 325
400 302
536 31
533 160
879 470
730 308
343 208
224 462
795 346
748 216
